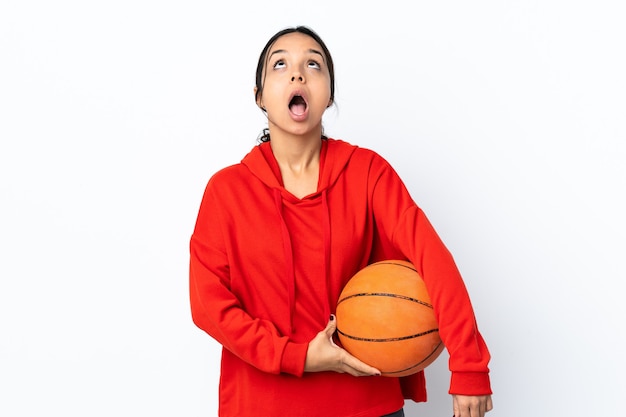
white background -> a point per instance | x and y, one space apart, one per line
504 118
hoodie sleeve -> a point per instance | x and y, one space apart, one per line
216 309
405 226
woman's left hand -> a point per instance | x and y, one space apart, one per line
471 405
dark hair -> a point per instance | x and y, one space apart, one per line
265 135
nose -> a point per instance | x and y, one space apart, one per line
298 77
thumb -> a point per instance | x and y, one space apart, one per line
331 327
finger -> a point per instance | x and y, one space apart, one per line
484 406
356 365
331 326
355 371
459 408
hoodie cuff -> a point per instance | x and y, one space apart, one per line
470 383
293 358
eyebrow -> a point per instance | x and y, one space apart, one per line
312 51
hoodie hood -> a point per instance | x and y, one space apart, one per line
334 157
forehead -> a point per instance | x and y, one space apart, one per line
295 41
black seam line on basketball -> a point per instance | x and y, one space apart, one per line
416 365
396 264
387 339
385 294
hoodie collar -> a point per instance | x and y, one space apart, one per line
334 157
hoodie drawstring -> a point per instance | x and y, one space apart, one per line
327 235
287 247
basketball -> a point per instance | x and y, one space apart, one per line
385 319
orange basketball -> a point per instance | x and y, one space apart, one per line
385 318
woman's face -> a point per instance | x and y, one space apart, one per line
296 86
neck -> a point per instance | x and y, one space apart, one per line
298 153
297 157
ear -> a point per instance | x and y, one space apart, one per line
259 99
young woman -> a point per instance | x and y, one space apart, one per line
279 235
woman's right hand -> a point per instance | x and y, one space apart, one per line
324 355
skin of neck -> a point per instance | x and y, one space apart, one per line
294 152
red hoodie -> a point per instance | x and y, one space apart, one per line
267 268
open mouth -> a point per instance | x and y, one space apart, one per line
297 105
